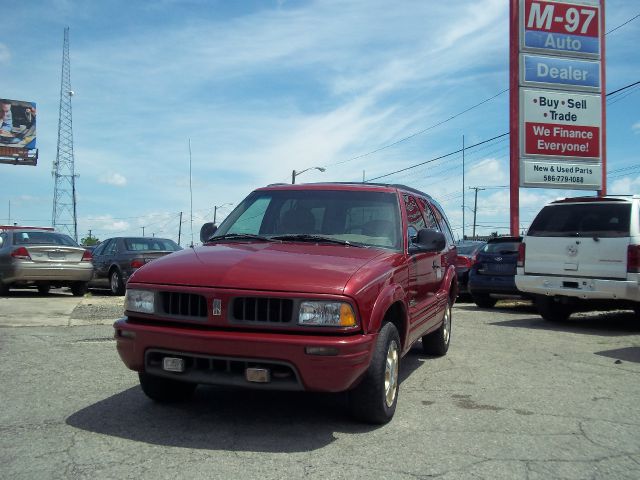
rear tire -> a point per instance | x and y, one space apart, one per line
165 390
437 343
115 283
4 289
43 288
79 289
374 400
483 300
552 310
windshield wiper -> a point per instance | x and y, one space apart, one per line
239 236
304 237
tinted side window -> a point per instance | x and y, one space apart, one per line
99 249
430 219
415 220
588 219
442 220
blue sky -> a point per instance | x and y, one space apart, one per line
264 87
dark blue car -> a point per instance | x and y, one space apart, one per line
493 273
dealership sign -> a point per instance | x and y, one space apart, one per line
560 72
558 28
560 124
556 106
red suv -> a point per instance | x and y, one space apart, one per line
319 287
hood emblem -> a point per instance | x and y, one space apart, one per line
217 306
498 259
572 250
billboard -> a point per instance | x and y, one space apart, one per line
17 124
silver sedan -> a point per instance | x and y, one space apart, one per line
43 258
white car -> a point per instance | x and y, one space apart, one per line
583 254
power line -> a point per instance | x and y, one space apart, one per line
437 158
472 146
622 25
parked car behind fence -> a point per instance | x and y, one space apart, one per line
492 275
583 254
42 258
467 253
115 259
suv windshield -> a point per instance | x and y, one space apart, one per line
582 220
358 217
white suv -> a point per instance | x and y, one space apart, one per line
583 254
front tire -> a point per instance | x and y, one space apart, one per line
165 390
551 310
115 283
43 288
375 399
437 343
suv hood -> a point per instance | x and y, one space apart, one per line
290 267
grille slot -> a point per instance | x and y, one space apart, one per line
184 304
262 309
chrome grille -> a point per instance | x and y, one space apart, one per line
262 309
184 304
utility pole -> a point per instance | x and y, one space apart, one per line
142 231
89 234
475 207
180 228
64 197
463 235
9 219
215 213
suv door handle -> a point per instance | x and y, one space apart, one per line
436 265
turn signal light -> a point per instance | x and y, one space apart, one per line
86 256
21 253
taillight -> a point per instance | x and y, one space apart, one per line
633 259
521 251
86 256
463 261
21 253
137 263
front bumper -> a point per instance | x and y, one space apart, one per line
577 287
333 373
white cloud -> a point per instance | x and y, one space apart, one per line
114 179
636 128
5 54
625 186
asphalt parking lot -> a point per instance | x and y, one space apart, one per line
516 397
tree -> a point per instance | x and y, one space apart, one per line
89 241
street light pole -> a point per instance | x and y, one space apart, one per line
294 174
215 210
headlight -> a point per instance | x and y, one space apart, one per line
139 301
326 314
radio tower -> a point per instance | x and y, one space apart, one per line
64 195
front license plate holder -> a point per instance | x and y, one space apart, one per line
173 364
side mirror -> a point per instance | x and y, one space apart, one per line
428 241
206 231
